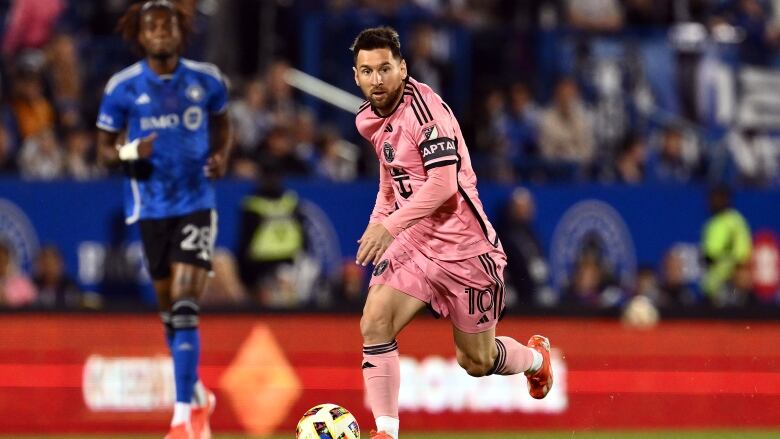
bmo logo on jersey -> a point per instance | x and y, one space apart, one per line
192 117
163 122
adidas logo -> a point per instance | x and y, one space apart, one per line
389 128
367 365
184 347
482 320
143 99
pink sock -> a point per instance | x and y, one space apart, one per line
513 357
382 378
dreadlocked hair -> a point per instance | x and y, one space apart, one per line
130 24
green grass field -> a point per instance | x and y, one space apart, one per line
715 434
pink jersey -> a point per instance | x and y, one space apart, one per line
418 140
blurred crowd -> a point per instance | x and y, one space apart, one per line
609 91
554 91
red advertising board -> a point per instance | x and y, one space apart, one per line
93 373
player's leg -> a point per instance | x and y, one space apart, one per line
190 263
475 310
386 312
187 283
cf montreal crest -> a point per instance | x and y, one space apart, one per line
389 152
380 267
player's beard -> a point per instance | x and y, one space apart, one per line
389 102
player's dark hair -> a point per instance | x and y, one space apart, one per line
383 37
130 24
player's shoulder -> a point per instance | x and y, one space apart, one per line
122 77
205 69
425 104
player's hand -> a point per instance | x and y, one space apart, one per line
146 146
375 240
216 166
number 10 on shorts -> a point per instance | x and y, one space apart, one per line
480 300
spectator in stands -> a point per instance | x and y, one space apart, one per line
647 13
305 138
676 160
271 238
647 286
595 15
32 111
251 117
339 158
55 288
527 272
752 18
591 283
66 76
726 246
78 163
30 24
492 139
629 165
675 287
41 157
566 131
279 149
522 126
755 155
7 156
16 290
423 61
281 99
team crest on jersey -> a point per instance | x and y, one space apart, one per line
195 93
381 267
389 152
431 132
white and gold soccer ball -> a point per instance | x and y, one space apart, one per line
327 421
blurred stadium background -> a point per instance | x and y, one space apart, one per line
627 150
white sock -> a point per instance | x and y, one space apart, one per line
537 364
199 395
181 413
388 425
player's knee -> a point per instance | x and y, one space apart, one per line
475 365
184 314
376 327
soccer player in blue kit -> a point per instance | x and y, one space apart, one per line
164 119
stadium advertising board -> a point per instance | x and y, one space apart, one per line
92 373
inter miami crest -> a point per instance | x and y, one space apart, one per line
389 152
381 267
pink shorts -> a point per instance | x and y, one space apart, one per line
470 292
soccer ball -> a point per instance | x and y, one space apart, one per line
327 421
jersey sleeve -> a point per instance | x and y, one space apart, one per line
218 98
437 139
113 111
385 199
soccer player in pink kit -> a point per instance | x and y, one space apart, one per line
428 237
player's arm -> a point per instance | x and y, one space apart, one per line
385 199
222 145
221 132
110 152
441 185
112 119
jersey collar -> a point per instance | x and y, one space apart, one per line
155 78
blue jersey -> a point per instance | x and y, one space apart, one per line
177 108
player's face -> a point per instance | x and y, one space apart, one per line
380 77
160 35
